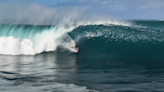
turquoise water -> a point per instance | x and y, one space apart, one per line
111 58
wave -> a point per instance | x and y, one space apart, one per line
17 39
119 41
93 38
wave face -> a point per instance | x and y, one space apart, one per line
117 41
134 39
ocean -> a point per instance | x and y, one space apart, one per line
114 56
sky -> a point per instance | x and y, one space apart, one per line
124 9
128 9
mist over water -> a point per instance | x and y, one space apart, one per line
38 14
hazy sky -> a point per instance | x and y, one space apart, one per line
125 9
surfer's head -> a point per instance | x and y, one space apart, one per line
76 46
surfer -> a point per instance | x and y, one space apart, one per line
76 49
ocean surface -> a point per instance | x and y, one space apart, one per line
114 56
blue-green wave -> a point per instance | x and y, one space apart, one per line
93 39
